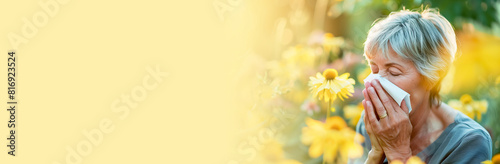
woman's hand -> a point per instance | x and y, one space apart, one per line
376 154
392 127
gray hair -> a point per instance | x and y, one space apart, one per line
426 38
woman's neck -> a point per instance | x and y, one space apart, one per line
420 119
428 124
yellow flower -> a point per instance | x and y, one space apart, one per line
353 113
332 43
414 160
466 99
487 162
471 108
331 138
328 85
397 162
411 160
494 160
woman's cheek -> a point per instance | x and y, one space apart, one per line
401 82
396 80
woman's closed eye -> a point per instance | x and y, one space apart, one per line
395 74
394 71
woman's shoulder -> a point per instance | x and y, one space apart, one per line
466 133
465 141
465 126
461 125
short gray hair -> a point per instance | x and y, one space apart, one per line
426 38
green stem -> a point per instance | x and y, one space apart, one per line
329 108
327 116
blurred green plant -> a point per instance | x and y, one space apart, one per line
483 12
362 13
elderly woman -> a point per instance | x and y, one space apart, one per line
414 51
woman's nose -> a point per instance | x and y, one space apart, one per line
382 74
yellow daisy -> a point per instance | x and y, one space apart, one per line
494 160
331 139
415 160
487 162
471 108
328 85
411 160
332 44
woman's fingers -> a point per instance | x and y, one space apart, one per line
365 117
367 98
374 141
404 107
370 113
366 112
392 134
365 94
379 107
386 100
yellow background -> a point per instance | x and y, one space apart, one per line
91 52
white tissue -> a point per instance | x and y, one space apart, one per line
396 93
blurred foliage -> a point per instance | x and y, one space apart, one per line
480 11
483 12
362 13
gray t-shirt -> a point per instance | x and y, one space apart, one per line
463 141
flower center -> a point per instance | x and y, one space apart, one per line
466 99
330 74
335 123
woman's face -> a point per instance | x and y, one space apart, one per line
402 73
